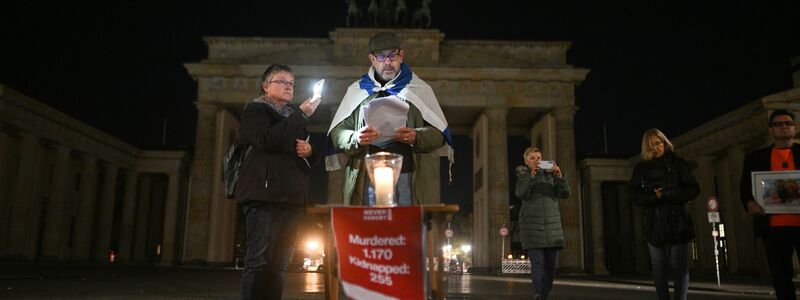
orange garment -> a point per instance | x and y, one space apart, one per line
783 160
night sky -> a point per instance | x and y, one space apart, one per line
118 66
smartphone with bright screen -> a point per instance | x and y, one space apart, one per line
546 164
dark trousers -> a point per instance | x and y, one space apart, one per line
543 267
271 230
666 259
779 244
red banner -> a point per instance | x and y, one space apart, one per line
380 252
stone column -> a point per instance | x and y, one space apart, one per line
640 245
571 258
481 229
128 213
219 223
739 225
704 173
202 182
598 227
8 168
142 219
26 205
730 207
106 214
84 221
54 240
168 243
497 171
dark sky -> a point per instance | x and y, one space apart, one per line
118 65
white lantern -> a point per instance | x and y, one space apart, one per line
384 170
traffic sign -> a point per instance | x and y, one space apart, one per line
713 217
448 233
713 204
503 231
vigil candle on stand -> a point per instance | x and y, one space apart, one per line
384 186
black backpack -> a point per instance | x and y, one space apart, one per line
231 163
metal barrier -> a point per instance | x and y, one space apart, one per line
516 266
453 266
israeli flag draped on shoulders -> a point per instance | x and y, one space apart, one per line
407 86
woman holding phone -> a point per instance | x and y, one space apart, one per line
662 185
540 185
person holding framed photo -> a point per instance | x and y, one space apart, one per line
779 232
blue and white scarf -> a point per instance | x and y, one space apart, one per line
407 86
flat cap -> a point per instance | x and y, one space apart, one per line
384 40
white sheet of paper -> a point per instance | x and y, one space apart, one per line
386 114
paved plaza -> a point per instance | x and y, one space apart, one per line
84 281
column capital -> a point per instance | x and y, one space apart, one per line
566 109
207 107
737 153
736 148
173 174
495 111
88 158
705 158
27 135
60 148
110 167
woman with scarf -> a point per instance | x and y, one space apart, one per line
273 180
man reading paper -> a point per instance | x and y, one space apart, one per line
420 141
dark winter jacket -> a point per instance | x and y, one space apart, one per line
665 220
273 172
540 214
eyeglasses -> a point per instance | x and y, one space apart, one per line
284 83
391 56
781 124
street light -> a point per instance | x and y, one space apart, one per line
312 245
447 248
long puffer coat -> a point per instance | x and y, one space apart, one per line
540 214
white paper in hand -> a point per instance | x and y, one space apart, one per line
386 114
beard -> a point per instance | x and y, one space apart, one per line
385 76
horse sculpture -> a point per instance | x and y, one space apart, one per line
352 12
423 14
400 13
372 12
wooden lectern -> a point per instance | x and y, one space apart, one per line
435 217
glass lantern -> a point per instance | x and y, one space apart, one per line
384 170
